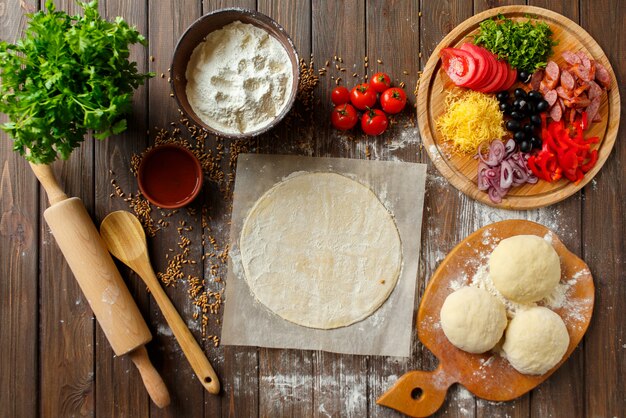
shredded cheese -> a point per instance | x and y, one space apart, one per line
471 118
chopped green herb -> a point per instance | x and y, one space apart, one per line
67 75
525 45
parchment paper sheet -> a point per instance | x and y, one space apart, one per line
388 331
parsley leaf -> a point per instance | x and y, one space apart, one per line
525 45
66 76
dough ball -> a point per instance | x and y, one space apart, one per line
525 268
536 340
473 319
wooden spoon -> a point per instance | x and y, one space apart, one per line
125 238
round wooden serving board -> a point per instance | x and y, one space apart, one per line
461 170
488 375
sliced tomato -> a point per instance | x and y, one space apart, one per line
459 65
492 69
498 79
482 70
504 69
510 80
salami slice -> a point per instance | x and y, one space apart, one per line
567 80
563 94
571 58
584 59
581 71
602 75
550 97
592 110
594 90
535 80
552 70
556 113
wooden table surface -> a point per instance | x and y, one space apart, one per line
54 358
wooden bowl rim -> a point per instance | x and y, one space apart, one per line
257 19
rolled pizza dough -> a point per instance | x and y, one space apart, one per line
320 250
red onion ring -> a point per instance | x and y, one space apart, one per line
501 167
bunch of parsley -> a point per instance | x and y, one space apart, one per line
67 75
525 45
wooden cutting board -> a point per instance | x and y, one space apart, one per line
488 375
461 170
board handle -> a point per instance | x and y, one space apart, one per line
46 177
151 378
418 393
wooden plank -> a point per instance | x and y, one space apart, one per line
445 207
67 323
603 238
285 383
553 393
393 37
167 21
562 394
19 228
338 29
119 389
237 367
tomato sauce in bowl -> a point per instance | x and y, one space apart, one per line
170 176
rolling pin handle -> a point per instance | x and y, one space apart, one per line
49 182
151 379
418 393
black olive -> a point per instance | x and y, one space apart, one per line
529 129
542 105
520 93
516 114
535 142
504 106
502 96
524 76
525 146
535 95
535 120
513 125
516 103
519 136
522 105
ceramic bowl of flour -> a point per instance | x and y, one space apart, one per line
235 73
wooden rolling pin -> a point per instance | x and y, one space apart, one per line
98 277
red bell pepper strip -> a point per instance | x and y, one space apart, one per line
593 159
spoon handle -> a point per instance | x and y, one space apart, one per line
194 353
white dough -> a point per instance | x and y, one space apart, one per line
536 340
320 250
525 268
473 319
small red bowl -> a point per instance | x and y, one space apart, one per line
170 176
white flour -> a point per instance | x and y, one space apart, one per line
239 79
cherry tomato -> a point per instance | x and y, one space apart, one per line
459 65
393 100
374 122
363 96
380 82
340 95
344 117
